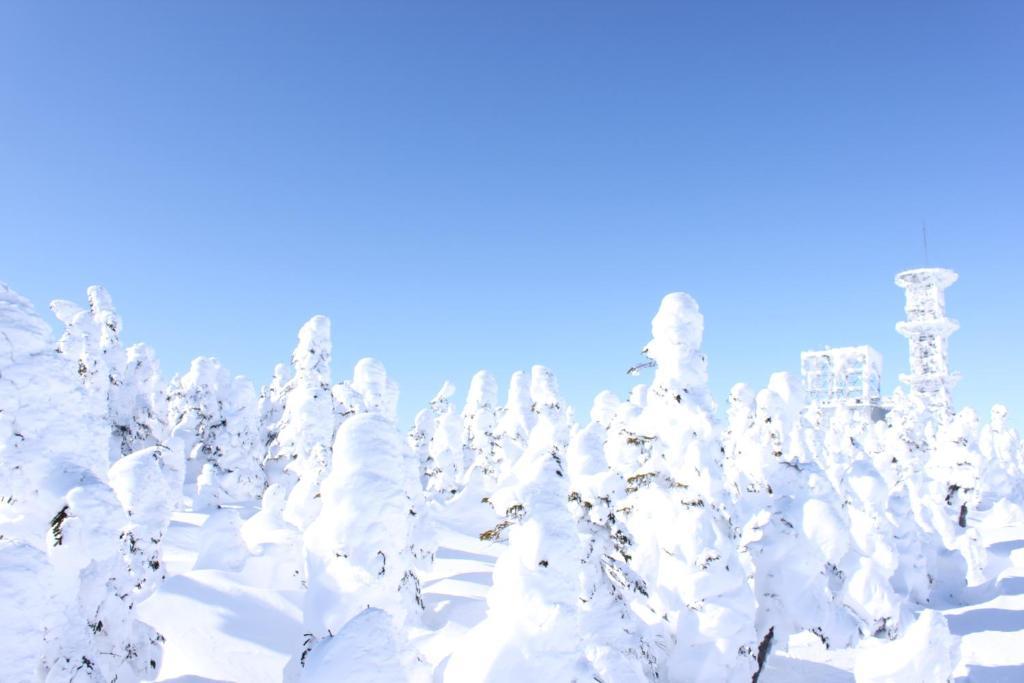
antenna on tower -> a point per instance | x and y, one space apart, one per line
924 239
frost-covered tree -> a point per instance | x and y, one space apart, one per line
515 421
547 403
793 531
125 381
378 392
445 448
270 406
214 417
698 595
479 419
929 534
419 439
140 418
100 639
532 626
148 484
615 638
360 549
549 433
72 618
1000 445
298 457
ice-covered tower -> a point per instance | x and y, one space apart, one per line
928 330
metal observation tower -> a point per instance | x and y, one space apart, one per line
927 329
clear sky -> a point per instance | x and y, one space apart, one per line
466 185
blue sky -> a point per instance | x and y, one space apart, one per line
466 185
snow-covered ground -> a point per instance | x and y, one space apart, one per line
228 625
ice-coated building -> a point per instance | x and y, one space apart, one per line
851 376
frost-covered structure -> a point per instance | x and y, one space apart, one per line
849 377
927 330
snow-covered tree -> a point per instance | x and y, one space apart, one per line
1001 473
100 638
299 455
270 406
214 416
549 433
419 439
445 448
698 594
125 381
59 519
615 638
147 483
926 522
793 532
515 420
532 626
359 550
378 391
479 419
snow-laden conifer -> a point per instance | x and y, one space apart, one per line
147 483
419 439
270 406
1001 474
214 416
793 532
445 448
479 419
615 638
300 453
125 381
59 518
532 626
698 596
515 420
360 550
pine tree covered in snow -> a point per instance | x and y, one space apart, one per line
793 535
418 439
271 408
479 419
126 381
515 421
359 550
1003 458
616 645
445 446
59 518
299 442
698 595
549 433
532 624
215 418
